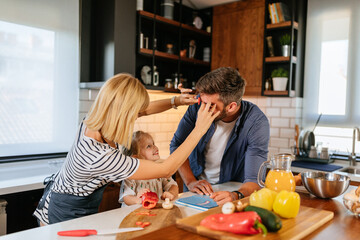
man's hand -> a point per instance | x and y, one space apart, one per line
223 197
200 187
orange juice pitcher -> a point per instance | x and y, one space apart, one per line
280 176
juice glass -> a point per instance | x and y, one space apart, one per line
280 176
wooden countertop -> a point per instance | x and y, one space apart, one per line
343 226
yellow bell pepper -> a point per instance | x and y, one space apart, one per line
263 198
287 204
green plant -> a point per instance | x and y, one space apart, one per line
279 72
285 39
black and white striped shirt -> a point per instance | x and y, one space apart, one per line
88 166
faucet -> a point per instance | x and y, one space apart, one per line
352 157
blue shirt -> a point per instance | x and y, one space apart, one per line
246 149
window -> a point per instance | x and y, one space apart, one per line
332 73
39 72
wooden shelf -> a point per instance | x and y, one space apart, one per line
174 23
164 55
281 25
280 59
279 93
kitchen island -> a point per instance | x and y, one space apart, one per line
342 226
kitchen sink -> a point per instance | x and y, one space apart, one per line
351 170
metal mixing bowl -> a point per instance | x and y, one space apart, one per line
325 185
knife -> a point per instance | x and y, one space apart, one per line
88 232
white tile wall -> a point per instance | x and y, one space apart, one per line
283 114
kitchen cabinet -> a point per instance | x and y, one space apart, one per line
107 42
294 25
238 35
172 46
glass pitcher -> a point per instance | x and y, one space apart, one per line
280 176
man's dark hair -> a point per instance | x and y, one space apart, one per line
225 81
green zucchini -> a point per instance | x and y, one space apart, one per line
268 218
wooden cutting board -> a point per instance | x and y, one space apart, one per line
305 222
163 218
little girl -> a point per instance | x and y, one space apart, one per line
143 146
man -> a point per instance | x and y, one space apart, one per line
235 145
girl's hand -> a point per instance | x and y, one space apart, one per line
168 195
185 98
206 115
141 192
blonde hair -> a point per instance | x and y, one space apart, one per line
116 108
135 144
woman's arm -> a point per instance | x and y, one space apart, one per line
150 169
165 104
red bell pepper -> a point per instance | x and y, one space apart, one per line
239 223
149 200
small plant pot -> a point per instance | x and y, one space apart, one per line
279 83
285 50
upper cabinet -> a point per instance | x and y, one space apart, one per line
238 35
108 39
283 66
173 44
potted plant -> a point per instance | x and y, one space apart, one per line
285 41
280 78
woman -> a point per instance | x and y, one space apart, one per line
96 158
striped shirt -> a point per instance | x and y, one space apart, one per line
88 166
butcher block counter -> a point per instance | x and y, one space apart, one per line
342 226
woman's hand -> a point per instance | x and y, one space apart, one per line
185 98
206 115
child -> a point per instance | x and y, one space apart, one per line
96 159
143 146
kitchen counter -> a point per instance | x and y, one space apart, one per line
343 226
26 175
100 221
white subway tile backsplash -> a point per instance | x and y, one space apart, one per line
285 150
288 112
85 106
279 142
93 93
154 127
281 102
287 133
264 102
280 122
84 95
274 132
297 102
273 151
272 112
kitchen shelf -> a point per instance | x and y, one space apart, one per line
286 24
174 23
156 53
279 93
280 59
274 57
155 35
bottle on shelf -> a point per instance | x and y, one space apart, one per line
155 77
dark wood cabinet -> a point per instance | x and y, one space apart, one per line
238 35
156 32
294 24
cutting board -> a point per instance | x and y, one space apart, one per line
163 218
305 222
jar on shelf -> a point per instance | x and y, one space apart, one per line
169 83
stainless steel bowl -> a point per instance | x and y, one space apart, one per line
325 185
